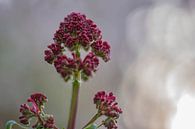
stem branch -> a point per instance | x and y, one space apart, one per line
93 119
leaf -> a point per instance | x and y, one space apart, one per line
9 124
92 126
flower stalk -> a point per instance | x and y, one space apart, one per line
74 101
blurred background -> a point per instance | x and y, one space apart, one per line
152 65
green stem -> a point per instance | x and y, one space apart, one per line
100 125
107 119
93 119
74 101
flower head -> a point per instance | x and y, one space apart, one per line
49 56
65 66
37 101
89 64
107 105
101 49
54 50
77 32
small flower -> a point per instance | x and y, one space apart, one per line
36 110
69 42
110 124
49 56
55 48
26 110
27 113
24 120
90 64
37 100
65 66
49 122
101 49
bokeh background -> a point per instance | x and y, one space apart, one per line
152 65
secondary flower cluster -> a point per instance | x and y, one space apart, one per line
37 101
106 105
77 32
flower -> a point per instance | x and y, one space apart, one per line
77 32
49 122
76 29
27 113
110 124
38 100
36 110
106 105
55 49
65 66
101 49
90 64
49 56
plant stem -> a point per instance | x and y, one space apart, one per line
93 119
74 101
100 125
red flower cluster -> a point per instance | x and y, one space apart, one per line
101 49
27 113
106 105
65 66
74 33
49 122
77 29
50 55
90 63
36 110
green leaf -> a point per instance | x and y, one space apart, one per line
92 126
10 124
